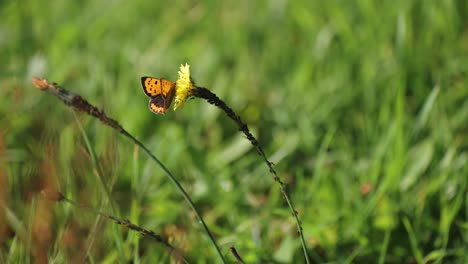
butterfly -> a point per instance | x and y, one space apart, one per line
160 91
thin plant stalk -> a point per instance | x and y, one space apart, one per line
59 197
204 93
186 88
80 104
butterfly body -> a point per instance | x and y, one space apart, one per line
160 91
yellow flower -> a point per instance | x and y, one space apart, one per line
184 86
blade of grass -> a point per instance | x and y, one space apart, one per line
425 111
135 210
413 241
383 251
98 170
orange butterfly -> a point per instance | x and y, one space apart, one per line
160 91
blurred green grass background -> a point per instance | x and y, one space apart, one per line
362 105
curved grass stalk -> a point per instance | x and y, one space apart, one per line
186 88
59 197
213 99
80 104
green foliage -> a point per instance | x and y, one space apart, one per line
362 106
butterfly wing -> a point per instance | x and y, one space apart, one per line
168 90
157 105
151 86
